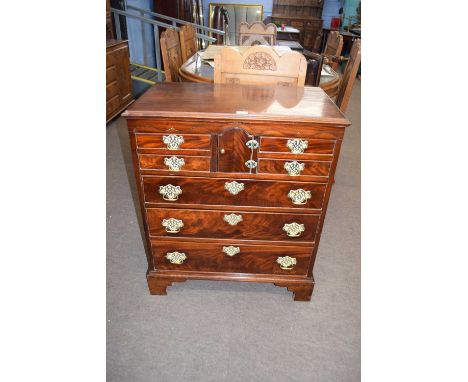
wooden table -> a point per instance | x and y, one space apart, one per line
196 70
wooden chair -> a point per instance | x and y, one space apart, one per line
188 41
259 65
334 47
171 54
349 75
314 67
256 33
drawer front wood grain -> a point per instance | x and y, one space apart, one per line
154 143
244 192
209 257
322 147
157 162
276 166
212 224
112 90
111 74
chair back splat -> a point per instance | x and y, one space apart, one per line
260 65
349 76
171 54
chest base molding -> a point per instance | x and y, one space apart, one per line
301 287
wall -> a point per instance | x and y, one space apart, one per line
140 36
331 9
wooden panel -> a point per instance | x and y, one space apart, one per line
279 145
232 151
211 224
156 162
188 44
276 166
210 191
259 65
171 54
111 75
112 90
209 257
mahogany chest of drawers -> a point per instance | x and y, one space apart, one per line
234 181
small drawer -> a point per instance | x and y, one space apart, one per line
293 167
174 143
231 258
297 146
231 225
174 163
234 192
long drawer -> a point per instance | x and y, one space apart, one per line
231 257
230 192
232 225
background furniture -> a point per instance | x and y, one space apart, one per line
188 41
256 33
334 47
236 14
259 65
171 54
118 81
197 70
304 15
314 67
234 183
349 76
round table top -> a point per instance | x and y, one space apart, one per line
197 70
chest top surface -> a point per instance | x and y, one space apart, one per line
237 102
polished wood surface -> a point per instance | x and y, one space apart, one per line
209 257
118 80
254 225
234 221
256 33
259 65
171 54
349 76
234 102
188 41
212 192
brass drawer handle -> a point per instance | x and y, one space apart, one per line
286 262
294 168
170 192
231 250
233 187
294 229
252 144
176 257
173 141
232 219
297 146
174 163
299 196
172 225
251 164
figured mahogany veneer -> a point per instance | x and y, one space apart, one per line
212 192
232 211
209 257
211 224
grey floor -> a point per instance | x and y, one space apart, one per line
216 331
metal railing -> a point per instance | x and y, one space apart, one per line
156 24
